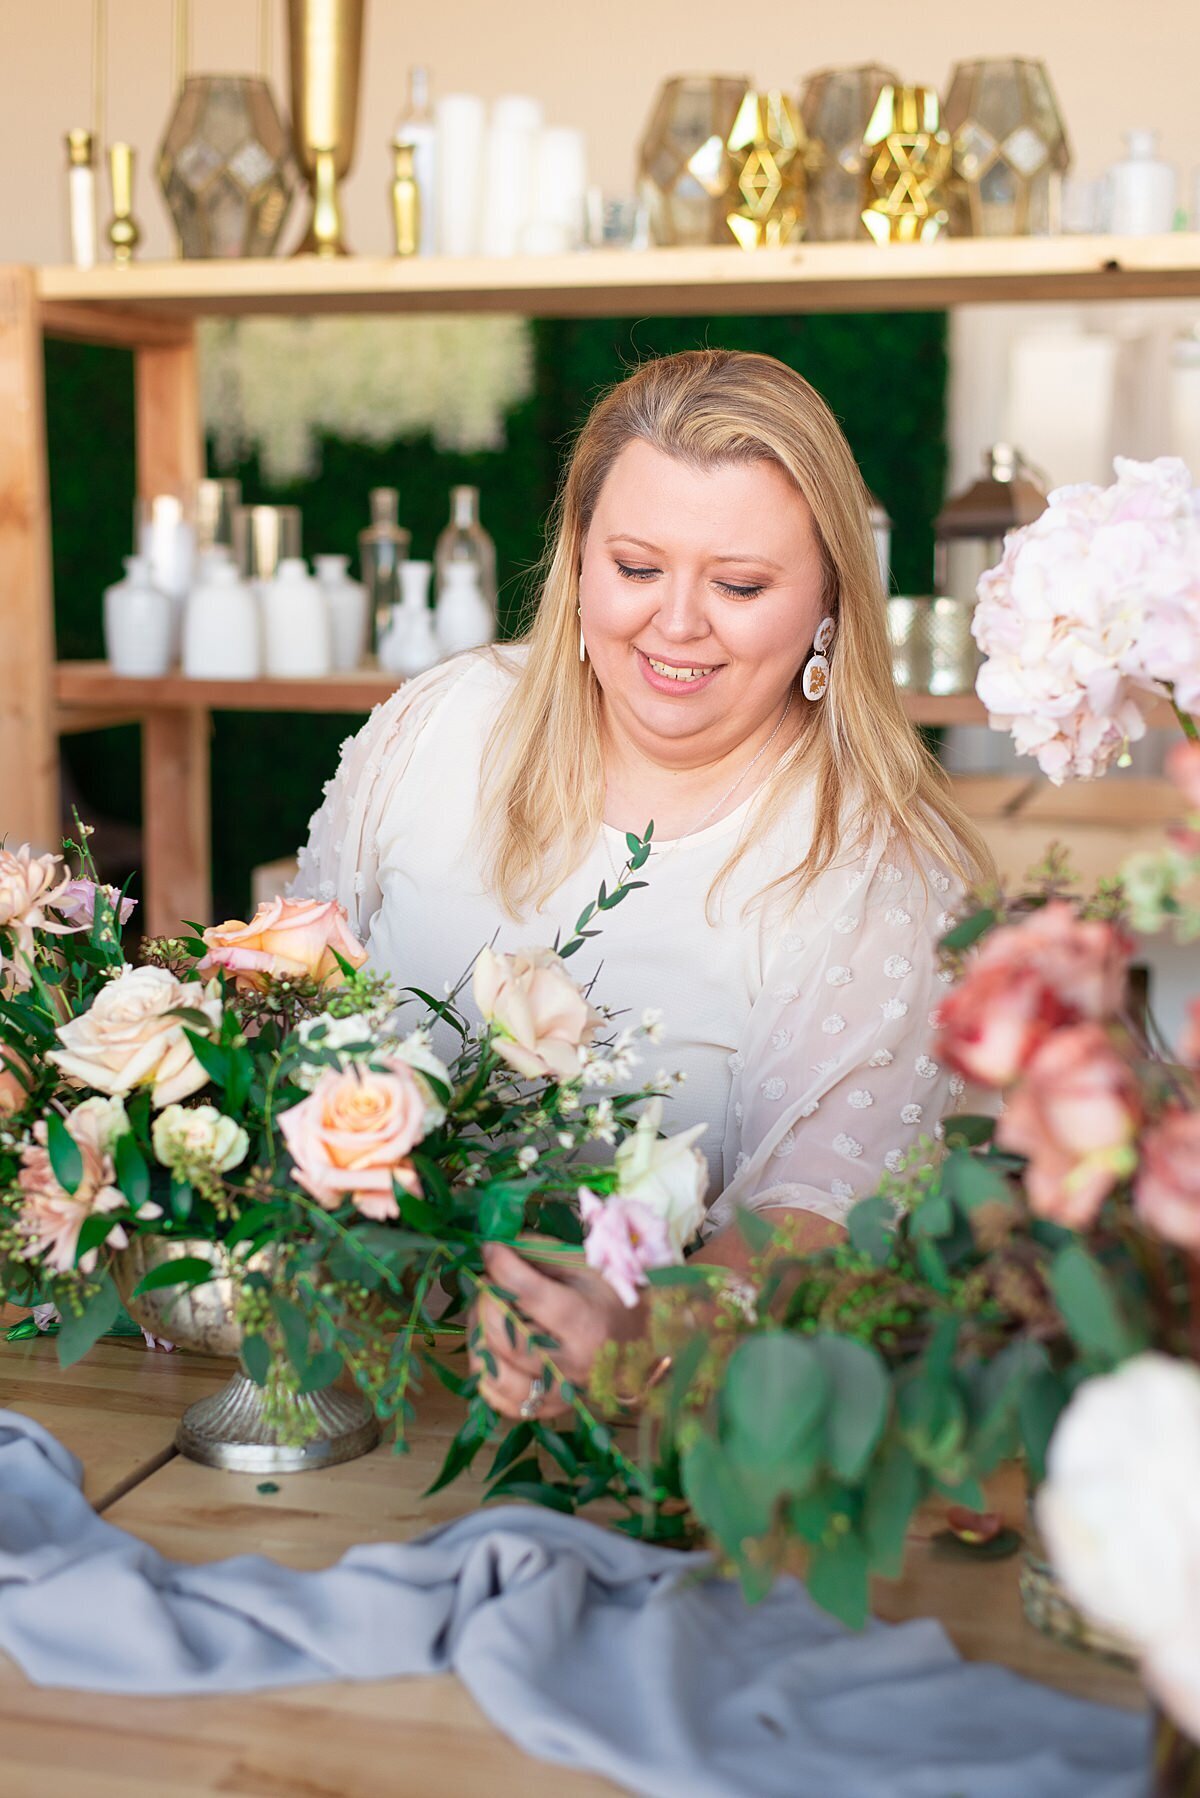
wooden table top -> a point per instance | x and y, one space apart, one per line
117 1411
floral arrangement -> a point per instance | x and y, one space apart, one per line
254 1093
1091 615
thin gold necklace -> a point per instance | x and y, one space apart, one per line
661 849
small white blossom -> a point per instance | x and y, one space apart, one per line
527 1157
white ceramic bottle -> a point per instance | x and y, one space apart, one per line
138 623
296 633
347 602
464 618
416 127
1143 190
410 644
222 631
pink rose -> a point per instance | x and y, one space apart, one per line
75 903
27 889
1167 1194
624 1239
1182 768
1075 1115
540 1019
1025 981
351 1137
297 937
1189 1046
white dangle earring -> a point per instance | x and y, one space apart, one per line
582 644
815 683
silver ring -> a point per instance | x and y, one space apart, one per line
536 1399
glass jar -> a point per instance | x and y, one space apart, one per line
382 548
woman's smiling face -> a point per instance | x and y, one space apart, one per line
700 592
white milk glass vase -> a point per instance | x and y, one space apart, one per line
347 602
296 633
139 624
222 630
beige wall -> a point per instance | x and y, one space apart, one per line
597 66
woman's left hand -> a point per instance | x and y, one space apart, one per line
581 1319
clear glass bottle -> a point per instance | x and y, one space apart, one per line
382 547
464 540
416 129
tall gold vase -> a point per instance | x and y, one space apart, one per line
325 39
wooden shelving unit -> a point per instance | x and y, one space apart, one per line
151 308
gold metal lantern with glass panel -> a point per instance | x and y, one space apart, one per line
1010 148
685 173
836 106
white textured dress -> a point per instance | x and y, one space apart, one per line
804 1037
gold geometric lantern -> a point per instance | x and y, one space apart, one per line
836 107
768 150
1010 148
684 167
226 167
908 159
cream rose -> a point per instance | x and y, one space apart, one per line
1119 1517
351 1138
29 884
301 938
50 1217
540 1019
186 1137
128 1038
666 1175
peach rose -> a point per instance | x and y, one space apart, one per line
129 1038
351 1137
1167 1194
1025 981
296 937
1075 1115
540 1019
16 1079
27 887
50 1217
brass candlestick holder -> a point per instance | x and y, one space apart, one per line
325 40
123 233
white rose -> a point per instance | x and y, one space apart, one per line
1118 1510
202 1135
668 1176
127 1038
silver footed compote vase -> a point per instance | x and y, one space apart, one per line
230 1428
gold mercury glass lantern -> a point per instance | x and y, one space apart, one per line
684 170
836 106
1010 148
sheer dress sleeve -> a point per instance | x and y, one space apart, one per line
341 858
834 1080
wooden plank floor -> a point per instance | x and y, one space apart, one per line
117 1411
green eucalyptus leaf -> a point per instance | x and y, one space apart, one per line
775 1394
971 1130
871 1225
892 1493
256 1358
1040 1405
969 931
729 1505
321 1371
187 1270
214 1060
1090 1308
133 1176
296 1330
78 1333
858 1405
66 1158
839 1577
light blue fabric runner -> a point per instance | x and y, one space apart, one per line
583 1647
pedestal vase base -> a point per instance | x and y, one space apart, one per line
229 1430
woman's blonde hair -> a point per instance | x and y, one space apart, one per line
543 791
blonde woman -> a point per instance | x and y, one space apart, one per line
708 652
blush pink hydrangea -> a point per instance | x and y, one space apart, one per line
1093 612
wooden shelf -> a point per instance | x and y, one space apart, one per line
600 283
92 686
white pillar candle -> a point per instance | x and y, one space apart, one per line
460 130
509 174
557 224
